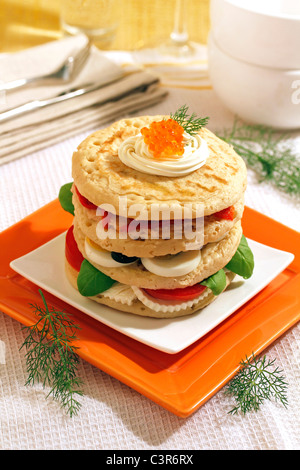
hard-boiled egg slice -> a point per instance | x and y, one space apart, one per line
98 255
173 265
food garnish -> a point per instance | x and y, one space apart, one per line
256 381
51 357
164 138
191 124
268 153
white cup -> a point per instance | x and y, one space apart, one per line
254 59
259 95
261 32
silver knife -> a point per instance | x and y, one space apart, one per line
65 95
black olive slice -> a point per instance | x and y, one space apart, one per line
120 258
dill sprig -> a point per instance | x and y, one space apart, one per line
268 153
191 124
51 357
256 381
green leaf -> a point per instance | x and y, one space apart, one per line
91 281
269 153
191 124
216 282
242 263
51 356
257 380
65 198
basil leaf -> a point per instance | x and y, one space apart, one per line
242 262
91 281
216 282
65 198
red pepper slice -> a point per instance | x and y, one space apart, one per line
182 294
227 213
73 255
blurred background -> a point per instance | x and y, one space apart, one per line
26 23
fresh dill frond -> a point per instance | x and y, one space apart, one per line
257 380
51 357
191 124
268 153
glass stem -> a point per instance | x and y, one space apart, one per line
179 35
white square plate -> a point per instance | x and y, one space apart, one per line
45 267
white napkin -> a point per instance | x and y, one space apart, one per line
124 92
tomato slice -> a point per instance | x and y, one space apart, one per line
73 255
84 201
182 294
227 213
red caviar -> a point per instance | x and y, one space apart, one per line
164 138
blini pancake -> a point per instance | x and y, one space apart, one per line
103 178
214 229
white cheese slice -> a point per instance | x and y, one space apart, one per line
167 305
120 293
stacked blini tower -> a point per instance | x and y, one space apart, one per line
140 261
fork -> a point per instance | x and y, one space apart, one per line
65 72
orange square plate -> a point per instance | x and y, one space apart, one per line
179 382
